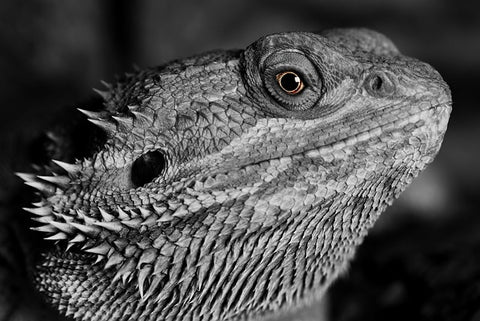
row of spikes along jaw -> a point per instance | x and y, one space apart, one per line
94 236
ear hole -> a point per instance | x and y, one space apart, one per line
148 167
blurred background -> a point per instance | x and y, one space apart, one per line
420 260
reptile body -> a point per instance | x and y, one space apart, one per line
236 184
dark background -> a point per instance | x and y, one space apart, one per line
53 52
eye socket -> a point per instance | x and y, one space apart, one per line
148 167
290 82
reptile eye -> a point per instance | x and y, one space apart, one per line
290 82
147 167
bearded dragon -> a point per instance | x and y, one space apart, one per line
236 185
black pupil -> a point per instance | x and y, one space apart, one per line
147 167
290 81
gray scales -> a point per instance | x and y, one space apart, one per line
236 185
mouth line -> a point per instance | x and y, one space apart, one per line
359 137
376 131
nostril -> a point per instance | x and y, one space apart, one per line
378 84
147 167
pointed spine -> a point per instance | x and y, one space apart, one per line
64 227
57 237
114 226
43 219
78 239
125 271
69 168
122 214
106 84
42 187
143 275
87 229
133 223
44 229
90 114
144 212
101 249
114 259
124 121
140 116
102 93
106 125
107 217
27 177
41 211
61 181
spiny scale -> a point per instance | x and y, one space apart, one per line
113 226
43 219
44 229
106 84
101 119
44 184
101 249
102 93
122 215
91 114
86 229
69 168
105 215
127 122
46 210
114 259
79 238
61 230
64 227
26 177
42 187
57 237
106 125
125 270
143 274
61 181
76 233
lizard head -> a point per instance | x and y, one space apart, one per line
237 183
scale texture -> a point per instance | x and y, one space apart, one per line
236 185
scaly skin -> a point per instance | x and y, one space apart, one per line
255 199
